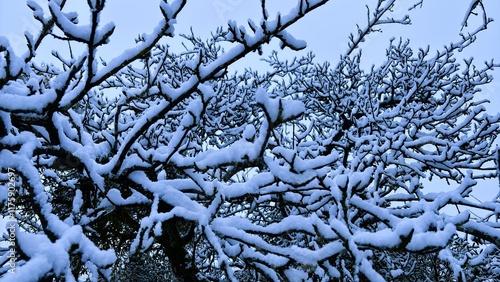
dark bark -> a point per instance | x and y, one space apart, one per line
174 242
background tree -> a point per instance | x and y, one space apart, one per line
166 161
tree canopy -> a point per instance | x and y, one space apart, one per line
166 166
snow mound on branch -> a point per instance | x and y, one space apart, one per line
279 110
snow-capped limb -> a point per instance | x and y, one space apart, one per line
11 66
39 104
473 6
164 28
67 22
483 231
251 235
88 34
208 72
367 269
278 110
38 13
45 256
287 40
59 237
170 11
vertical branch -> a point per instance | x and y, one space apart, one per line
498 166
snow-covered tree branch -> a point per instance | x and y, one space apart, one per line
165 162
